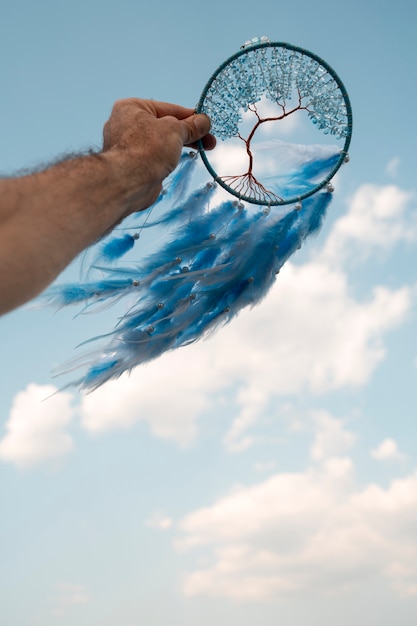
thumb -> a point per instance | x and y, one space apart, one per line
197 126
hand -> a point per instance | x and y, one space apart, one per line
146 139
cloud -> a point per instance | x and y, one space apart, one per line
377 219
159 521
308 334
331 438
36 428
69 595
387 451
312 532
168 394
264 466
392 167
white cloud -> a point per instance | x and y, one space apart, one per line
253 401
308 334
393 167
69 595
159 521
311 532
331 438
264 466
377 219
36 428
387 451
168 394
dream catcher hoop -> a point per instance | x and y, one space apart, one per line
272 83
283 121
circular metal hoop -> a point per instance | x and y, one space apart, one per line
258 44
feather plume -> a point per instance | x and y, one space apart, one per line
212 263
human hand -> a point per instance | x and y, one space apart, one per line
145 139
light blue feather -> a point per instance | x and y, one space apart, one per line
213 262
117 247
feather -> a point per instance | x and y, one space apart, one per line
213 262
117 247
229 260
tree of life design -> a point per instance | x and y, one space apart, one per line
247 184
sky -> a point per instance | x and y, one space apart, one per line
269 473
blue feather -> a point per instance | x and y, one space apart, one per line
306 176
63 295
117 247
213 263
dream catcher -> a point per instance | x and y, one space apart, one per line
283 122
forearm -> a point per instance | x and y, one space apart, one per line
49 217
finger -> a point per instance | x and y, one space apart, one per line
164 109
209 142
194 128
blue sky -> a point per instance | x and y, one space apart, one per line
270 472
